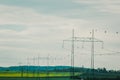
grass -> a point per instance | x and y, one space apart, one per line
9 75
32 74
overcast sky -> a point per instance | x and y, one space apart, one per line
29 28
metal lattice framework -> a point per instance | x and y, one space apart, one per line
74 39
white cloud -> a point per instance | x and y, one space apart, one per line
28 17
106 6
35 22
43 32
86 1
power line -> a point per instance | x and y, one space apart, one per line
74 39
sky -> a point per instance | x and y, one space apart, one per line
31 28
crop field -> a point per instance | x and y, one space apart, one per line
19 78
32 74
35 76
12 75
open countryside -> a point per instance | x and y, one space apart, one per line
59 39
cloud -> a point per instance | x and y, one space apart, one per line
39 31
105 6
86 1
43 33
28 17
33 21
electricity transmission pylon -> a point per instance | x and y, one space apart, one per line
47 59
74 39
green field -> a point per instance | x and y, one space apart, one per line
12 75
33 74
35 78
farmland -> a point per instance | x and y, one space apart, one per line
56 73
35 76
15 78
12 75
32 74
